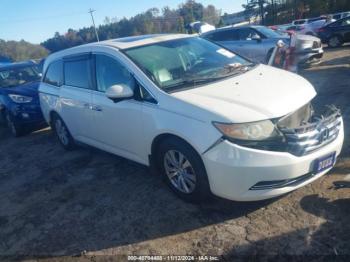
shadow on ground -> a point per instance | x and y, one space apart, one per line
329 242
57 203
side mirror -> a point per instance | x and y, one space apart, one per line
120 92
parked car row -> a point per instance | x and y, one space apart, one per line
332 32
205 118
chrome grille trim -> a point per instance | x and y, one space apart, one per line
265 185
311 136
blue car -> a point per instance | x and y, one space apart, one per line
336 33
19 101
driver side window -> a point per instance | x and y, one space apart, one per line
110 72
247 34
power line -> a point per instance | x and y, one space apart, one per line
93 22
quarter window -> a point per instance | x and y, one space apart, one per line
54 74
110 72
77 73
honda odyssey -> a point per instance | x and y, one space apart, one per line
206 119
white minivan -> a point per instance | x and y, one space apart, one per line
206 119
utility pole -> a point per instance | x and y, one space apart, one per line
93 22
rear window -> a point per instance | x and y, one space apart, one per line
54 74
76 73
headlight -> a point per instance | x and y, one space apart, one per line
20 99
254 131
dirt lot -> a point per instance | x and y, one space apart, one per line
55 203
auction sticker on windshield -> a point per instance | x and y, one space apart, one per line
225 53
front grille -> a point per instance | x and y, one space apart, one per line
318 131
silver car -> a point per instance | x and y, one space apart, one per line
257 43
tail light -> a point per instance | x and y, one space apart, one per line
320 30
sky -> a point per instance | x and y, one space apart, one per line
38 20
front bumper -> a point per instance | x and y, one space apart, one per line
27 115
310 56
313 56
233 170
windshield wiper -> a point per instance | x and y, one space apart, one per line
191 82
227 71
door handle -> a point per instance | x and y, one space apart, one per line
92 107
96 108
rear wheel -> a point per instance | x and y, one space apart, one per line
15 129
62 133
2 118
183 170
335 41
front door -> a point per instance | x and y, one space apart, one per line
117 126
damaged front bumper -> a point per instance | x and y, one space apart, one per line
246 174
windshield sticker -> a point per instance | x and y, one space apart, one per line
225 53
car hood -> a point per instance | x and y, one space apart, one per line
29 89
261 93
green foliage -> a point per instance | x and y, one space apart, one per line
152 21
284 11
21 50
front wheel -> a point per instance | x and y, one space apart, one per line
183 170
15 129
335 41
62 133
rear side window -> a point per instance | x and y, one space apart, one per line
224 35
77 73
54 74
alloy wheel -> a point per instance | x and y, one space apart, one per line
334 41
180 171
61 132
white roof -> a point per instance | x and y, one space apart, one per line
134 41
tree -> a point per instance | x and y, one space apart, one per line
154 20
21 50
253 5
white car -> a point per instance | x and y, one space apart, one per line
207 119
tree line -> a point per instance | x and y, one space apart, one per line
20 50
283 11
168 20
152 21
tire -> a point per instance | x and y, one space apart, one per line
62 133
335 41
2 119
186 177
16 129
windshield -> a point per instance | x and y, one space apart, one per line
18 76
269 33
186 62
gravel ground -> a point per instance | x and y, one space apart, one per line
92 205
